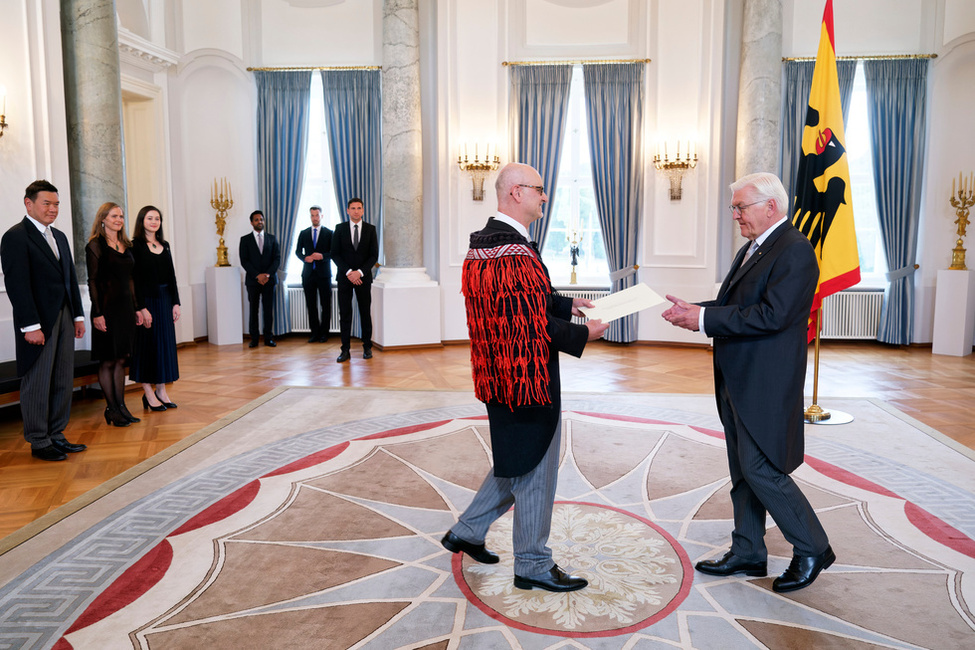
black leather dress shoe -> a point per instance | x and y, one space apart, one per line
803 570
555 579
731 564
66 447
343 357
313 339
477 552
367 354
48 453
270 343
252 344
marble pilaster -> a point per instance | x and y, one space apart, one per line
406 302
93 104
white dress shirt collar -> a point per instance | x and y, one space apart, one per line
503 218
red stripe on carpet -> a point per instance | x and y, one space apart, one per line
233 502
630 418
842 475
938 530
131 585
405 430
309 461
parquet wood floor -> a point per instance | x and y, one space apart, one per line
216 380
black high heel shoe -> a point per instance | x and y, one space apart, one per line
168 405
125 413
115 418
147 405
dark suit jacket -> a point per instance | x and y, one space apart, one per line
255 262
347 258
520 437
323 269
758 322
38 284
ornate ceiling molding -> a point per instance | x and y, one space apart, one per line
137 51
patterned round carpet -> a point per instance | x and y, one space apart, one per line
330 539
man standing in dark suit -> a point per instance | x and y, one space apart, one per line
260 256
355 250
315 251
43 289
759 323
518 325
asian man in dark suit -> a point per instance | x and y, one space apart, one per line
315 251
355 251
260 256
43 289
759 325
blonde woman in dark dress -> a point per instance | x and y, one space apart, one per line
114 312
154 356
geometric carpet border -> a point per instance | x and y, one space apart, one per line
38 606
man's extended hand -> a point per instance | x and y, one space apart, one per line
580 302
596 329
682 314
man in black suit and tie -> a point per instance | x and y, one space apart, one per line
355 250
518 325
260 256
43 289
315 251
759 324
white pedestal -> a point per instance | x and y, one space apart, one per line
954 313
225 304
405 309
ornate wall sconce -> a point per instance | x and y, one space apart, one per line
478 168
3 111
674 169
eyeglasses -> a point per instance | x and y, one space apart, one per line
738 209
540 188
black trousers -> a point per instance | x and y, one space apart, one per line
261 296
363 296
318 290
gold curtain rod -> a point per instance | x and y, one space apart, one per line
874 57
319 67
580 62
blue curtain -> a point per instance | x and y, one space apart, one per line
796 84
353 113
282 142
614 112
537 112
897 105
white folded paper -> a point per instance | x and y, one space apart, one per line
622 303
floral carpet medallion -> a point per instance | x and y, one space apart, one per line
637 574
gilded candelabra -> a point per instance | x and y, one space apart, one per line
479 169
221 200
574 238
961 200
675 169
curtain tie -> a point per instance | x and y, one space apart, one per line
902 272
623 273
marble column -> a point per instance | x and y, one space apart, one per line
759 91
93 104
407 302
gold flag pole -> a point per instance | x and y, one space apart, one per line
815 414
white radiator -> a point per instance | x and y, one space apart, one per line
588 294
299 313
852 315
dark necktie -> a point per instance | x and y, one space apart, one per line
355 237
314 243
